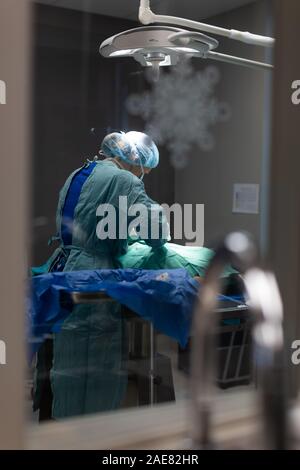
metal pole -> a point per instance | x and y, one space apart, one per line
238 61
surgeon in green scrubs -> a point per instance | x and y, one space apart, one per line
89 354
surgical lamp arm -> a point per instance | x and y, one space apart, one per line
196 40
238 61
146 16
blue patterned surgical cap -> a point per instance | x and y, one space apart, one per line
135 148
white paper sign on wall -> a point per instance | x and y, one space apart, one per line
245 199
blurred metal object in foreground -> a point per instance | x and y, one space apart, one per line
265 304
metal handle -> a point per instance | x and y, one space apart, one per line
198 41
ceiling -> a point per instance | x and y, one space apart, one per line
194 9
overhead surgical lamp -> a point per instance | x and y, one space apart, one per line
156 46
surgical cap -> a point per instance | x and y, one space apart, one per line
135 148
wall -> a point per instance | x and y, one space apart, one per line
76 89
240 145
14 131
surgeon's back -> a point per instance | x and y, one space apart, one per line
105 185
